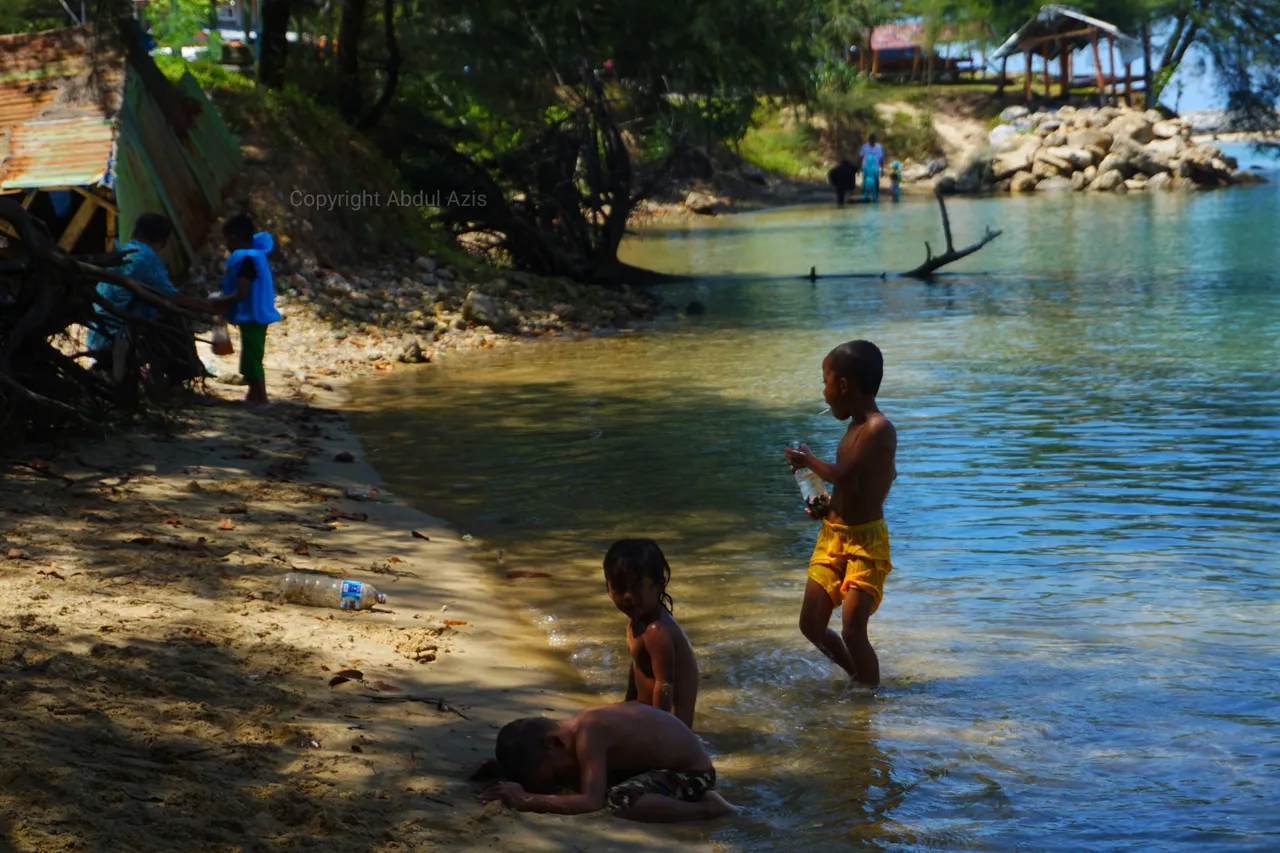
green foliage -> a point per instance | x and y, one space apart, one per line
784 145
25 16
178 24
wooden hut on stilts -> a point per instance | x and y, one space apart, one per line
1055 34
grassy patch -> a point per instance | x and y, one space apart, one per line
781 144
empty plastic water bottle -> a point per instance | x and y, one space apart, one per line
317 590
812 489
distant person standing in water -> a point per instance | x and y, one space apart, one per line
844 178
872 157
851 559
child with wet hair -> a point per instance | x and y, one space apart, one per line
664 672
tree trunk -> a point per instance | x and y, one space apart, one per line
393 66
350 30
275 26
1004 69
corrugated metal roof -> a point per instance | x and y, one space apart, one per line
58 103
1054 19
904 35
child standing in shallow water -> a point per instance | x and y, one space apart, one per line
664 673
851 560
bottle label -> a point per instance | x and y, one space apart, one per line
351 594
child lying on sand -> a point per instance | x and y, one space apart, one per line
668 774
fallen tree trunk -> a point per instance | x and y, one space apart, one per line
932 264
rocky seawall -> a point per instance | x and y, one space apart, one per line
1107 149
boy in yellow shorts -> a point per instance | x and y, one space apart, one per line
851 560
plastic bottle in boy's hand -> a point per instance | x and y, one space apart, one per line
319 590
812 489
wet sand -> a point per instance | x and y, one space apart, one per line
157 694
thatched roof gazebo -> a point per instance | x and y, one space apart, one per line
1057 32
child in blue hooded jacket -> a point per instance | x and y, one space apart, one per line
249 298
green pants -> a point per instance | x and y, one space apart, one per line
253 348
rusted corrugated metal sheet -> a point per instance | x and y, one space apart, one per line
58 104
70 118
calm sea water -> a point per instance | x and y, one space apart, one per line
1079 639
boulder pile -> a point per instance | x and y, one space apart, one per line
1107 149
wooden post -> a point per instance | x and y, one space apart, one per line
1048 92
875 62
1097 67
1111 49
1065 60
78 223
111 229
1026 81
1128 84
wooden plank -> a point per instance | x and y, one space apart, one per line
1128 84
96 199
1027 81
1032 42
78 223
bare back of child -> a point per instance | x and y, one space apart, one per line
668 774
664 671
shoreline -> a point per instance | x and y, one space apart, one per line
157 688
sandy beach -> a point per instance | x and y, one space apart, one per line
158 695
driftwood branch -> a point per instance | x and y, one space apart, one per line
931 263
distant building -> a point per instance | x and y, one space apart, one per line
900 51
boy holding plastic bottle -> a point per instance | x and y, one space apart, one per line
851 559
248 297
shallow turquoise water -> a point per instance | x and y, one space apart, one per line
1079 638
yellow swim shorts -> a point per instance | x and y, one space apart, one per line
848 556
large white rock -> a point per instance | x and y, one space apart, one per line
1165 129
1052 185
1131 126
1077 158
1090 138
1107 181
1009 114
1023 182
1006 137
1162 181
1009 163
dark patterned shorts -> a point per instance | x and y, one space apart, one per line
689 787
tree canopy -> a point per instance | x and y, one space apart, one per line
564 114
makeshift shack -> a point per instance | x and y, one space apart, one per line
93 135
1056 33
